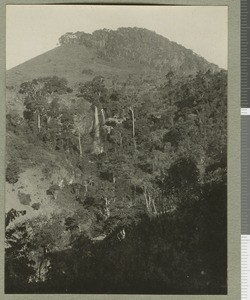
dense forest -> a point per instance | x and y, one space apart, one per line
139 45
139 204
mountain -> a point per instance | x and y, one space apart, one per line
81 56
116 168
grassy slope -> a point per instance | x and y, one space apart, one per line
68 61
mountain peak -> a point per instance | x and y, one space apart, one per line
142 46
81 56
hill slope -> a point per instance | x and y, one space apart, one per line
76 63
119 170
109 53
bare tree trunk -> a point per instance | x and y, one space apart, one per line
172 121
120 139
146 198
40 269
97 129
92 127
107 209
80 144
97 143
202 165
86 187
133 121
41 263
39 122
133 124
150 202
67 146
103 116
154 207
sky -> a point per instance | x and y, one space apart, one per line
34 29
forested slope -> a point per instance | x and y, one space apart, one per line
122 182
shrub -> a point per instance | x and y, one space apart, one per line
24 198
87 72
36 206
12 172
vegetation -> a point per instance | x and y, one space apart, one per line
150 211
12 172
139 45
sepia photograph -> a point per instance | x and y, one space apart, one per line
116 150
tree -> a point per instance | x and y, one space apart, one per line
14 122
12 214
37 93
82 123
131 101
56 85
94 91
66 129
19 267
35 101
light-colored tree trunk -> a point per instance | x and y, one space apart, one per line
133 120
150 202
97 143
154 207
107 209
80 144
103 116
86 187
202 165
133 126
97 128
146 199
39 122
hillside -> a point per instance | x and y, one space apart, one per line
81 56
116 163
76 63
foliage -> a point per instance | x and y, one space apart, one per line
151 259
12 214
12 172
139 45
154 199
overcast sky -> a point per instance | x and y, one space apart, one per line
35 29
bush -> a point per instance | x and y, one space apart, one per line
12 172
14 122
24 198
87 72
36 206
